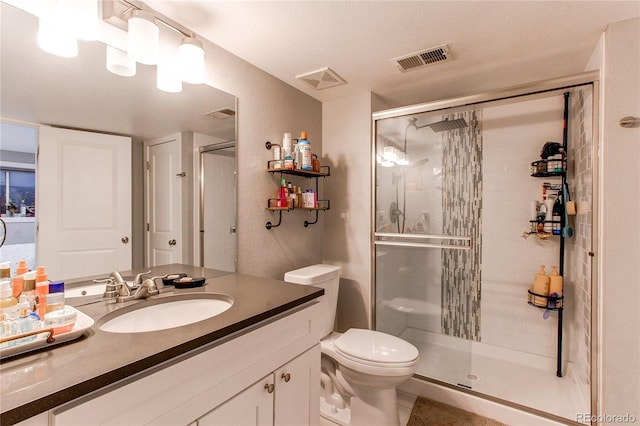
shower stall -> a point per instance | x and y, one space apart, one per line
456 246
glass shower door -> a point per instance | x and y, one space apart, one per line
427 218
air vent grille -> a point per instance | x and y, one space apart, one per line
221 114
321 79
423 58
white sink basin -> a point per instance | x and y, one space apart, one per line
169 312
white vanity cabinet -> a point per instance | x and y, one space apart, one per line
282 398
222 384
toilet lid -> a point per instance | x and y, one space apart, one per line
374 346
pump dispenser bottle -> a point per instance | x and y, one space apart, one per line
555 282
541 287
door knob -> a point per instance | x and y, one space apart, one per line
172 242
269 387
286 377
124 240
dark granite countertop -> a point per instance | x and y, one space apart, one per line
41 380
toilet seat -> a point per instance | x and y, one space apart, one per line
402 361
375 348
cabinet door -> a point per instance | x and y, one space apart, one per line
297 396
252 406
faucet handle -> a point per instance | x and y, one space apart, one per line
139 278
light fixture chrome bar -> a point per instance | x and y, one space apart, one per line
133 7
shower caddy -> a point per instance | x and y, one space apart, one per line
556 303
322 205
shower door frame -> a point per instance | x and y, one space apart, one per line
587 78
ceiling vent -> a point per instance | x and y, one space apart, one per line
221 114
423 58
321 79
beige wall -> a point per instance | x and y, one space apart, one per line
619 249
347 147
267 107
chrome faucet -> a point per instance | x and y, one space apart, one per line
141 288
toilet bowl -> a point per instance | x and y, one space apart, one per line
360 369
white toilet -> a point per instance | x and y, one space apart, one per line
360 368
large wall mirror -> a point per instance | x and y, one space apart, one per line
37 88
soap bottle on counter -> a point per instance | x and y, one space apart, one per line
22 267
5 270
29 290
6 295
42 289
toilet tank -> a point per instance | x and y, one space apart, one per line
326 277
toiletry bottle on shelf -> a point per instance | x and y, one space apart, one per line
548 224
282 194
555 283
305 149
286 144
287 152
541 287
557 213
277 156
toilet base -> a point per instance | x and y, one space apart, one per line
380 409
340 416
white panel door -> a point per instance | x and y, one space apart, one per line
297 396
252 406
219 221
83 203
164 202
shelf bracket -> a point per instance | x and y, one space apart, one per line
269 225
307 223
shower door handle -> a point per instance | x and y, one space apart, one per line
422 241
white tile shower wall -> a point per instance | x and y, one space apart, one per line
513 136
579 261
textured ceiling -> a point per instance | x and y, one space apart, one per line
494 43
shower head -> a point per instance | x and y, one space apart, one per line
441 126
447 124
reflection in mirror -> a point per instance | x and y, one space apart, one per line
217 193
79 93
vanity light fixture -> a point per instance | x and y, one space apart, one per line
119 62
192 60
80 17
54 39
143 37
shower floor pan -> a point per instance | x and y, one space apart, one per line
522 378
